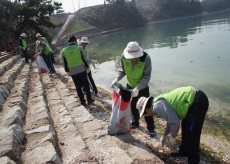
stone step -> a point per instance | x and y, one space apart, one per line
41 137
7 64
5 56
100 146
8 78
69 140
13 113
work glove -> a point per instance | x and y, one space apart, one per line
163 140
172 141
135 92
114 82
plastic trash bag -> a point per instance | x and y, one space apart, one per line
121 111
41 64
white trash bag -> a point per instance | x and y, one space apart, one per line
42 65
121 111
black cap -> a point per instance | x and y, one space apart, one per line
72 39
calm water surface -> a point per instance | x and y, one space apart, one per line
193 51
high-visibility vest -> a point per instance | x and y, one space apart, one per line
135 74
179 99
73 56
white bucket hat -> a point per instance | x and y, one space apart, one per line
38 34
133 50
84 40
141 103
23 35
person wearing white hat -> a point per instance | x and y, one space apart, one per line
136 65
83 43
46 52
43 39
23 45
39 38
187 104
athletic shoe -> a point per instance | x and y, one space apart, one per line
134 126
98 95
152 133
91 102
178 154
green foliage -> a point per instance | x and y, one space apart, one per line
34 15
8 20
116 15
177 8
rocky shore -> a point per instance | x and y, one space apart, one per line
42 121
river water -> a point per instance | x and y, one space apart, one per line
193 51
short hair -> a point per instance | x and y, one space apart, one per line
72 39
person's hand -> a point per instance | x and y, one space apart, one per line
172 141
163 139
135 92
114 82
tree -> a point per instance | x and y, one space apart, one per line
34 15
8 17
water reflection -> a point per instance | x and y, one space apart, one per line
192 51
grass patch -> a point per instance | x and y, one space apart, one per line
75 26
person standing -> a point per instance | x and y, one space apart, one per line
46 53
136 65
23 45
39 37
83 43
76 65
187 104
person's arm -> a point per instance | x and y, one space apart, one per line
164 110
146 75
20 42
121 72
64 62
84 58
43 45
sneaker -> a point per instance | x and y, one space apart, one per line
152 133
134 126
98 95
84 104
52 72
178 154
91 102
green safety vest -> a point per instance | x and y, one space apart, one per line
73 56
179 99
48 49
135 74
24 45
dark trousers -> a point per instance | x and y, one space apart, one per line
92 84
192 127
135 112
49 61
25 55
80 80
